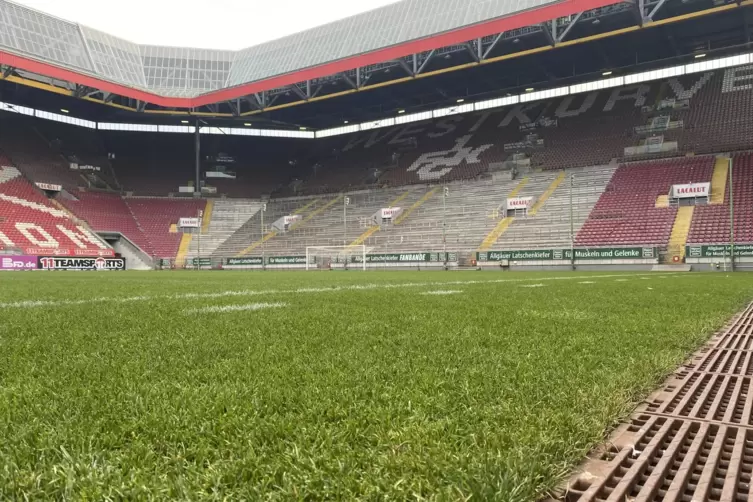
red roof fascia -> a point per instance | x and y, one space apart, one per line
527 18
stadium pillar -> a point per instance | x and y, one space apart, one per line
197 166
731 220
572 225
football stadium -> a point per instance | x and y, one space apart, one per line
438 250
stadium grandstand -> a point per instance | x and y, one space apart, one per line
542 127
537 183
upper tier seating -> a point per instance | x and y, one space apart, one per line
711 223
626 212
29 222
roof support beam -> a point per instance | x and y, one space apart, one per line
546 28
297 91
656 8
566 31
7 71
639 11
426 61
404 66
471 50
140 106
349 80
492 45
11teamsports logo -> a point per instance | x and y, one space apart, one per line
61 263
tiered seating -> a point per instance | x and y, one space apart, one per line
711 223
720 117
31 223
108 213
155 216
626 212
32 155
227 217
550 227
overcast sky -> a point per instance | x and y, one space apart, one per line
210 24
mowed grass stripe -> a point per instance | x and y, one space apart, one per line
357 394
27 304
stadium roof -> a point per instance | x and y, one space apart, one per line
188 78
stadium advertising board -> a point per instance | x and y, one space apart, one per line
719 251
69 252
519 202
246 261
18 263
390 212
189 223
286 260
690 190
404 258
50 187
606 254
68 263
204 262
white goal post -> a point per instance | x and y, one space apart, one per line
346 257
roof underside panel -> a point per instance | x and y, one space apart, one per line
42 36
115 58
376 29
185 72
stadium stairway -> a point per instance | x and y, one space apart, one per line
679 235
375 228
505 222
719 180
662 201
404 215
295 226
548 193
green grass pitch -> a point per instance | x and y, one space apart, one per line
340 386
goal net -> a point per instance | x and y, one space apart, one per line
329 257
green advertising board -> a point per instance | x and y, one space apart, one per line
286 260
247 261
405 258
606 254
205 262
719 251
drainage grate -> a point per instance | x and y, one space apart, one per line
705 396
674 460
692 440
732 362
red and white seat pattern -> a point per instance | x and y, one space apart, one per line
31 223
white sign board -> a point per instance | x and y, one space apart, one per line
519 202
189 223
690 190
185 189
291 219
51 188
390 212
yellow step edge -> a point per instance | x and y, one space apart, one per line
662 201
306 207
185 242
316 212
207 219
258 243
680 230
504 223
270 235
719 180
495 234
547 193
428 195
374 229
